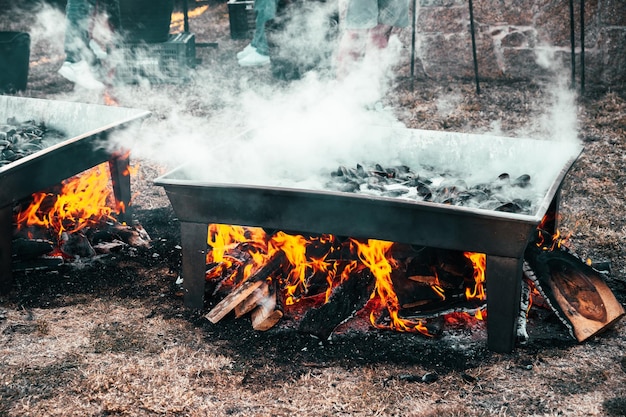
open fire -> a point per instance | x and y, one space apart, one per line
76 219
399 286
322 281
85 144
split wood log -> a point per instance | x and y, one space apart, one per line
253 300
243 291
269 312
576 292
346 299
231 300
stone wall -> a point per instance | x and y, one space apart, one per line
521 40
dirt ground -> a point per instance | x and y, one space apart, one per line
111 337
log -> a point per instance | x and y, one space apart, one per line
244 290
26 249
576 292
269 312
135 236
252 301
232 300
41 263
345 300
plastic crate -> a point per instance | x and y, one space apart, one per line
241 17
167 62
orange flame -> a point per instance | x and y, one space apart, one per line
372 254
84 201
479 261
556 241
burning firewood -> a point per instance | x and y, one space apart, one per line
269 312
243 291
76 245
253 300
135 236
232 300
345 300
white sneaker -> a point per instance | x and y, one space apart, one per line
244 53
254 59
80 74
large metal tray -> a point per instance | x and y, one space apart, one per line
278 203
87 127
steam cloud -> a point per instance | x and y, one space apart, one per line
310 125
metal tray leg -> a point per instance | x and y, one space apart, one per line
504 278
193 237
6 249
120 178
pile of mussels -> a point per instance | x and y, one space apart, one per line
502 194
20 139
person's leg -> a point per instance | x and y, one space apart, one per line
357 17
76 67
391 13
258 52
265 11
378 36
77 29
350 51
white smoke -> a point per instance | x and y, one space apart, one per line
308 125
559 121
243 130
46 27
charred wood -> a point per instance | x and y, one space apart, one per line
135 236
40 263
25 249
345 300
76 245
244 290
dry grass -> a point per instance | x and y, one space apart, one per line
113 338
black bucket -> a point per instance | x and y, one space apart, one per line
14 61
145 20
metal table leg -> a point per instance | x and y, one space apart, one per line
6 252
503 280
193 238
120 178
